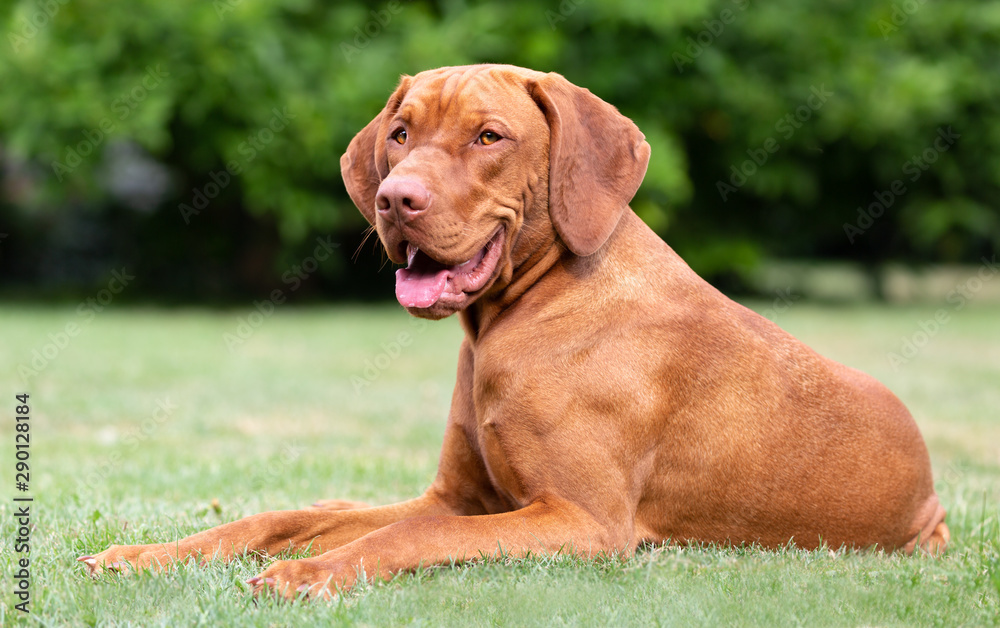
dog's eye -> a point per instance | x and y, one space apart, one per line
488 137
400 136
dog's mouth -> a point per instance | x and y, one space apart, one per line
425 281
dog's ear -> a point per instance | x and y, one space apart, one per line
597 159
364 165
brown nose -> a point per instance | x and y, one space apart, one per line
403 197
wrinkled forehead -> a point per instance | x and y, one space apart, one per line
462 94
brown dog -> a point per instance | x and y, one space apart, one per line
606 394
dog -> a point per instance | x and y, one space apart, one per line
606 395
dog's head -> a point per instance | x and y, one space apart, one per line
467 170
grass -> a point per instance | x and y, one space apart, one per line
319 403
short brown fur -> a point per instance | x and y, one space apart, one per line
606 395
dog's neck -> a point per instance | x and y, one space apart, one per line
549 262
544 258
477 318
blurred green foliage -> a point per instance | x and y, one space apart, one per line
780 128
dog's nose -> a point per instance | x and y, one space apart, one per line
403 197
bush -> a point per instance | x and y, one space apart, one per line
776 127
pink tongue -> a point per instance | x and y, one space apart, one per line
417 289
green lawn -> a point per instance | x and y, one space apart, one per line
288 417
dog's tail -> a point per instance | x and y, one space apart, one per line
934 535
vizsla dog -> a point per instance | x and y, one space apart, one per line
607 396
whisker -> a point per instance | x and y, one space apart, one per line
368 233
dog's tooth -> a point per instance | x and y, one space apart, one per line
411 252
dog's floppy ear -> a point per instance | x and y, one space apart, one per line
597 159
364 165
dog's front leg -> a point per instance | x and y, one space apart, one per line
548 525
268 532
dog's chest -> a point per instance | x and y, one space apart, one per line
494 449
512 431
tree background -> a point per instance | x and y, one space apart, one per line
197 142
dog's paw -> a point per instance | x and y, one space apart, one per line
128 558
304 578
